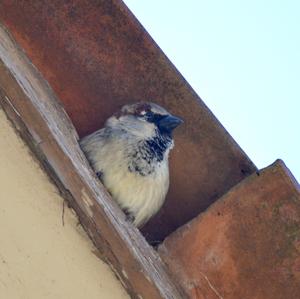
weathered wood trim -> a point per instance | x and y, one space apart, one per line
31 104
97 57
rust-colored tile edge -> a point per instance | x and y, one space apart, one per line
108 60
278 165
172 256
30 103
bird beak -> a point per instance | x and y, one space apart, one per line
169 123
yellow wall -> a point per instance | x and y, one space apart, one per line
39 257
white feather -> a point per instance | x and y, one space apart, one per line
109 152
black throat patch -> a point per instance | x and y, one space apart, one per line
148 153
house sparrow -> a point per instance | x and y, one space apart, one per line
130 156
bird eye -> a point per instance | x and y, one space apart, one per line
146 114
149 116
154 117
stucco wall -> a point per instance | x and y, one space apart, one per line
39 257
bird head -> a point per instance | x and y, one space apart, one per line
144 120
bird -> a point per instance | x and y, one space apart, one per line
130 155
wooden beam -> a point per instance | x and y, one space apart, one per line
32 105
97 57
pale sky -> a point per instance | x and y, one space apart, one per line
243 60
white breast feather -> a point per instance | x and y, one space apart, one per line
140 195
